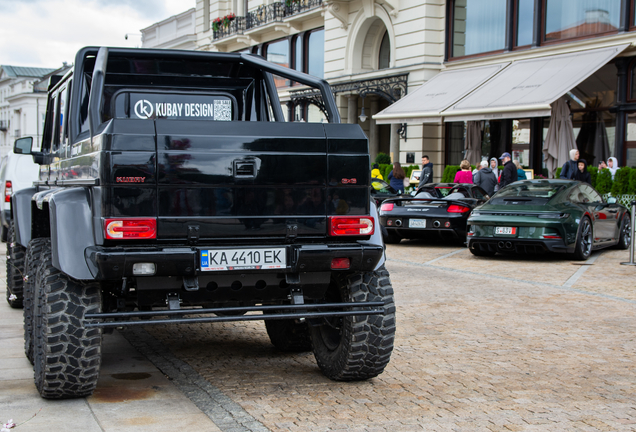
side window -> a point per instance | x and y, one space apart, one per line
575 195
53 131
477 194
63 117
591 194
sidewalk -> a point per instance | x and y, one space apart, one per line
132 394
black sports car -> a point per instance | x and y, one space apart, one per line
436 208
381 190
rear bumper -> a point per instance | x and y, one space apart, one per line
521 246
115 263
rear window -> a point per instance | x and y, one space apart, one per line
176 106
532 190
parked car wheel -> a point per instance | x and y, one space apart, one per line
584 239
625 239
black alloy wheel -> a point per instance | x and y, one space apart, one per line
584 240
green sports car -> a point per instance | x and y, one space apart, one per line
537 216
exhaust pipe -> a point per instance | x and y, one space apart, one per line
501 245
508 245
398 223
437 224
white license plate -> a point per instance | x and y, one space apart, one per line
506 230
417 223
243 259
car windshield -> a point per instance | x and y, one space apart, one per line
532 190
380 186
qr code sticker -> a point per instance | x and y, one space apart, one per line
223 110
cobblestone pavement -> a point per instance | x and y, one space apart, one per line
506 343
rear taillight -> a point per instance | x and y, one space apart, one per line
130 228
454 208
386 207
351 225
8 191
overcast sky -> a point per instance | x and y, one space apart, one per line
45 33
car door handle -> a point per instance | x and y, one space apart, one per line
612 211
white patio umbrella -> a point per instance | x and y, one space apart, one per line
473 143
560 139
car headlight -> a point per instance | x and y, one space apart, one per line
475 213
554 216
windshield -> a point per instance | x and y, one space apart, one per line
380 186
532 190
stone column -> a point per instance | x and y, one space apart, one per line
395 143
374 135
352 111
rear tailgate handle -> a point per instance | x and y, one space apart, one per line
244 169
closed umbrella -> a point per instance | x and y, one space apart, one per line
560 139
473 143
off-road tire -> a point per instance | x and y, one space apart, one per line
15 270
359 347
31 261
289 335
625 237
67 354
584 240
391 238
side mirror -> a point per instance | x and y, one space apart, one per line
611 200
23 145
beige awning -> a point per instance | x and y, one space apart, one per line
521 89
426 104
526 88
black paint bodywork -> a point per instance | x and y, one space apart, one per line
251 181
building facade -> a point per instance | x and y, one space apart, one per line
176 32
499 64
22 103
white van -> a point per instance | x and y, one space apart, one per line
17 171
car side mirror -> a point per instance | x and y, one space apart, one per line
23 145
41 158
611 200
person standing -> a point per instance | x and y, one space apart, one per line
464 175
581 173
396 177
509 174
494 167
521 174
570 167
486 179
427 172
612 165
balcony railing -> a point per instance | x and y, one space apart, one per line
265 14
17 133
4 125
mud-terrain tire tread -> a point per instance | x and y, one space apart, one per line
366 341
31 261
392 238
289 335
67 355
15 269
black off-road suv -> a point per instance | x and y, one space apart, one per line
173 191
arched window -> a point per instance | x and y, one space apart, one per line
384 58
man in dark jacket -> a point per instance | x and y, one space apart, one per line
581 173
427 172
570 168
509 174
485 178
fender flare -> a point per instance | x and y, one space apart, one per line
22 218
71 219
376 237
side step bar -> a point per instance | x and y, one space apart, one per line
122 319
